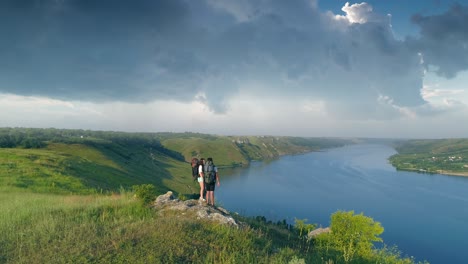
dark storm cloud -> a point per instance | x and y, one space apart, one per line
93 50
143 50
443 40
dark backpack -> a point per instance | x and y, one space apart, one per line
210 173
195 168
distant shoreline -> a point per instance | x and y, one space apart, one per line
442 172
462 174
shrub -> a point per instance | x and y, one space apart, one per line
145 192
183 197
351 235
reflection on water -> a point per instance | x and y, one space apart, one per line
424 214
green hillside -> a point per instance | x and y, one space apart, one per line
446 156
240 150
76 161
88 168
83 161
66 196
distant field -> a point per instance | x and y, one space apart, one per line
445 156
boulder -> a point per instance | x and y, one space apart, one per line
314 233
201 210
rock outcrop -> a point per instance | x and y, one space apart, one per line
314 233
220 215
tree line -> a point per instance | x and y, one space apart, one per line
31 138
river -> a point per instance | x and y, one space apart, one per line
425 215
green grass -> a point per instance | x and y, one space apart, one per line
234 151
50 228
78 161
44 228
85 168
221 149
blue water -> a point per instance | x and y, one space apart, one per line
425 215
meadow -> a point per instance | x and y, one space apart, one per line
119 228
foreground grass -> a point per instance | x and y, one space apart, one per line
40 228
46 228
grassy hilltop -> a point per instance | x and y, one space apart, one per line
66 196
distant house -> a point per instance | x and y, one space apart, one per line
241 141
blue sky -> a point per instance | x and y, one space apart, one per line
265 67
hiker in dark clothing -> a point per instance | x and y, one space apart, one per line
194 168
211 179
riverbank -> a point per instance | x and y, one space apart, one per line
442 172
440 156
450 173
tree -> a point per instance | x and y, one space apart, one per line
354 234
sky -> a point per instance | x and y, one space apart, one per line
309 68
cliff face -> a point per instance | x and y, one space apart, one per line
167 203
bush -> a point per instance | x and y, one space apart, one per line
145 192
351 235
183 197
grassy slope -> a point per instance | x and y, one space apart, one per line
222 150
88 168
231 151
44 228
50 228
433 156
96 165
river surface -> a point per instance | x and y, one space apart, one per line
425 215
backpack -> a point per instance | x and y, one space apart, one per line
210 173
195 168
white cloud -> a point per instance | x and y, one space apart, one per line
360 13
428 93
356 13
31 102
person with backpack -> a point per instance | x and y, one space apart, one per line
201 173
211 177
195 164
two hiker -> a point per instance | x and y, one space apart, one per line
206 173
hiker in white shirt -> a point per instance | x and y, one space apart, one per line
200 178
